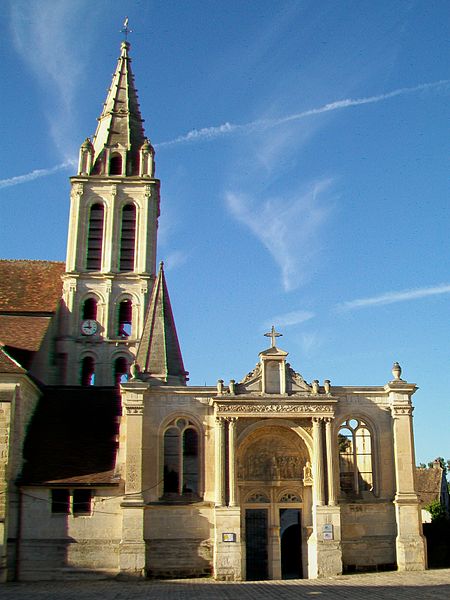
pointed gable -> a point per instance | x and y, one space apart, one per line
159 354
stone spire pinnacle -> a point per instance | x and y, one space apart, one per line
159 355
120 125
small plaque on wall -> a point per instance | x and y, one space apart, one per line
327 531
228 537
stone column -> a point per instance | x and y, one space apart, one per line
330 462
318 461
219 461
410 543
232 461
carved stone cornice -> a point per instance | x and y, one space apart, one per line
401 411
134 410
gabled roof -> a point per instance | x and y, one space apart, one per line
30 286
120 123
72 438
159 354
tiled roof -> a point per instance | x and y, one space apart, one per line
72 438
24 332
8 364
30 285
429 484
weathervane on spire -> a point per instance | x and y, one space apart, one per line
273 334
125 29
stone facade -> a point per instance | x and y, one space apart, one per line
112 465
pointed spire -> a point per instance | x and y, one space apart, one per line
159 354
120 125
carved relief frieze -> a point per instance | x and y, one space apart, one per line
270 459
278 409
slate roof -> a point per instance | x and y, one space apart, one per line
72 437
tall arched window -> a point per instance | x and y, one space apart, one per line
115 165
355 457
127 238
181 459
95 238
121 369
124 318
87 371
89 309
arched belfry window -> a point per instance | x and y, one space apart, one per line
95 238
181 459
127 238
88 371
115 165
355 457
124 318
89 309
121 369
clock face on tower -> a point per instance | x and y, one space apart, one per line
89 327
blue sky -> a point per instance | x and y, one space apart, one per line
303 152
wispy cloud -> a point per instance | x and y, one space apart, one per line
46 36
18 179
392 297
175 259
211 133
289 319
288 228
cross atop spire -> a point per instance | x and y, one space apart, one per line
125 29
273 334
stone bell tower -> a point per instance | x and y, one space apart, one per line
111 249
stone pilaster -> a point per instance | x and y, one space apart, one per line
330 449
232 461
227 544
319 497
219 461
410 543
132 545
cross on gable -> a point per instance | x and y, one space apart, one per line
273 335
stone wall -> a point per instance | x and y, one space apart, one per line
179 541
368 536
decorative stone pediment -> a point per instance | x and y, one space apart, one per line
273 375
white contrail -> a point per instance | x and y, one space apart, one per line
35 174
391 297
209 133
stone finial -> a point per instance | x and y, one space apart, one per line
315 386
396 371
220 386
232 387
327 386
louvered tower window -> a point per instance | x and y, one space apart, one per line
87 371
95 238
89 310
127 238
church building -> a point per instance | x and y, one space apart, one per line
112 465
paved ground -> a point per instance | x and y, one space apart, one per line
428 585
